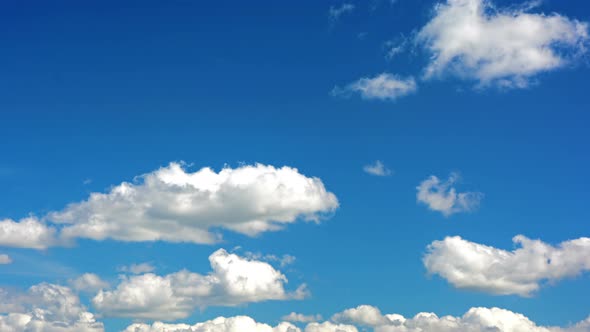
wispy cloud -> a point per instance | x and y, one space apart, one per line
336 12
377 168
387 87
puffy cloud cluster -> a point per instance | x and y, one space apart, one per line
475 40
444 198
385 86
479 267
220 324
367 317
45 308
171 204
234 280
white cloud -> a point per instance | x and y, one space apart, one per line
366 316
475 40
301 318
362 315
479 267
46 308
27 233
138 268
443 197
5 259
220 324
329 327
377 169
384 86
171 204
89 282
234 280
336 12
475 320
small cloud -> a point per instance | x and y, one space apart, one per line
89 282
386 87
377 169
444 198
300 318
138 268
87 181
395 47
336 12
5 259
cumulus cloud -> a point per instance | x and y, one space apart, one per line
27 233
377 169
220 324
138 268
385 86
370 318
5 259
479 267
301 318
335 12
233 280
443 197
174 205
88 282
45 308
475 40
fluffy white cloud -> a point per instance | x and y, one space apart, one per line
475 40
442 197
370 318
475 320
89 282
220 324
171 204
475 266
362 315
138 268
5 259
234 280
301 318
27 233
329 327
381 87
377 169
336 12
46 308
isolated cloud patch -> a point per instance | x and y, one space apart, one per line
377 168
336 11
89 282
5 259
473 39
233 280
522 271
45 308
387 87
443 197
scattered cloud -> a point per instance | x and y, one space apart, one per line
336 12
233 280
475 40
45 308
443 197
395 47
89 282
301 318
137 268
377 169
479 267
365 315
5 259
387 87
173 205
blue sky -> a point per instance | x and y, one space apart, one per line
93 94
